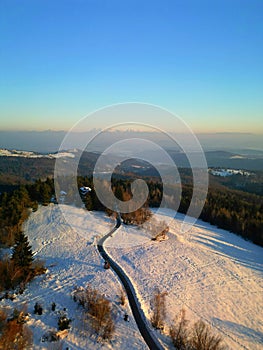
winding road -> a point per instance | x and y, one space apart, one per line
148 335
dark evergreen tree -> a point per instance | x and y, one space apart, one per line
45 193
88 202
22 254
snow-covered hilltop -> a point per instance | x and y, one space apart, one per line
30 154
214 274
229 172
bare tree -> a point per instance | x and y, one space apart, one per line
159 309
204 339
179 332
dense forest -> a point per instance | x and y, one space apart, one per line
234 210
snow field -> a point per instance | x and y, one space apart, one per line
211 273
72 260
215 275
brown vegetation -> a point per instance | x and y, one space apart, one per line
14 334
159 309
137 217
122 297
12 276
204 339
98 310
199 337
179 332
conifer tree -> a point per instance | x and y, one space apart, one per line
22 254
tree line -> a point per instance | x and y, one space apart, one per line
233 210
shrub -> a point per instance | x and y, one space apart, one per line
14 334
38 268
98 309
63 322
38 309
10 274
3 317
204 339
50 336
122 297
199 337
53 306
108 329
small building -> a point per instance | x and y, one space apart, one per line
85 190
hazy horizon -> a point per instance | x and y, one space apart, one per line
50 140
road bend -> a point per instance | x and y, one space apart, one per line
148 335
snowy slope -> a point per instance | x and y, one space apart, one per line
30 154
72 261
214 274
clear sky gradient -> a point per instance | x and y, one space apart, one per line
60 60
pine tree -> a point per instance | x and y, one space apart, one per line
45 193
22 254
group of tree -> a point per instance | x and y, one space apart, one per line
97 311
14 334
23 170
184 337
236 211
233 210
199 336
21 268
14 209
15 206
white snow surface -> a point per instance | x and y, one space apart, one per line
229 172
215 275
30 154
72 260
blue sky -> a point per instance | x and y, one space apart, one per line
202 60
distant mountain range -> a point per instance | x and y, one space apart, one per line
23 167
49 141
26 166
213 158
224 159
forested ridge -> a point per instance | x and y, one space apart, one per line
233 210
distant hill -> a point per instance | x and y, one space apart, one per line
18 167
234 160
223 159
50 140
